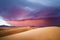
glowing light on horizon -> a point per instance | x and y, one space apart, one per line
3 22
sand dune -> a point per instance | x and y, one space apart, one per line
47 33
10 31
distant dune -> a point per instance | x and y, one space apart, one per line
46 33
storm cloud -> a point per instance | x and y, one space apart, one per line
29 9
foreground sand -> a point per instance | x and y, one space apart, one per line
46 33
10 31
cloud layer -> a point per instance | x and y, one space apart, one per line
29 9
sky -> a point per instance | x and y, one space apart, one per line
55 3
3 22
29 9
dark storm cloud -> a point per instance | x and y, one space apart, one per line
10 9
27 9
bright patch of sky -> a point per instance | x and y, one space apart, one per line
3 22
54 3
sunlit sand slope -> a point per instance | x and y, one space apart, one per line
47 33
